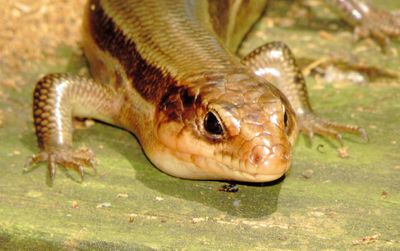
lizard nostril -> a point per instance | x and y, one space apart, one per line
259 154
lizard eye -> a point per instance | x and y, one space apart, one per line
286 120
212 124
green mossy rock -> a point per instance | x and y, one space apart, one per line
325 202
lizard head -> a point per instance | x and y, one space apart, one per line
224 127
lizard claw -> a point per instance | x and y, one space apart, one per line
73 159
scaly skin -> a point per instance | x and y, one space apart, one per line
166 71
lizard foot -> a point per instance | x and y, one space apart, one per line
311 124
379 25
68 158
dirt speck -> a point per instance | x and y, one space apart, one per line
74 204
104 205
122 195
343 152
366 240
198 220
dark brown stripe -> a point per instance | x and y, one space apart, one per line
150 81
179 104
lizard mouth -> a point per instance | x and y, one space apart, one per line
273 167
201 167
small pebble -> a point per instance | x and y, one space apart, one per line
308 173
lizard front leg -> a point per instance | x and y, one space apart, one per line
275 63
57 99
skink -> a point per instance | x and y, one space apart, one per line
167 71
